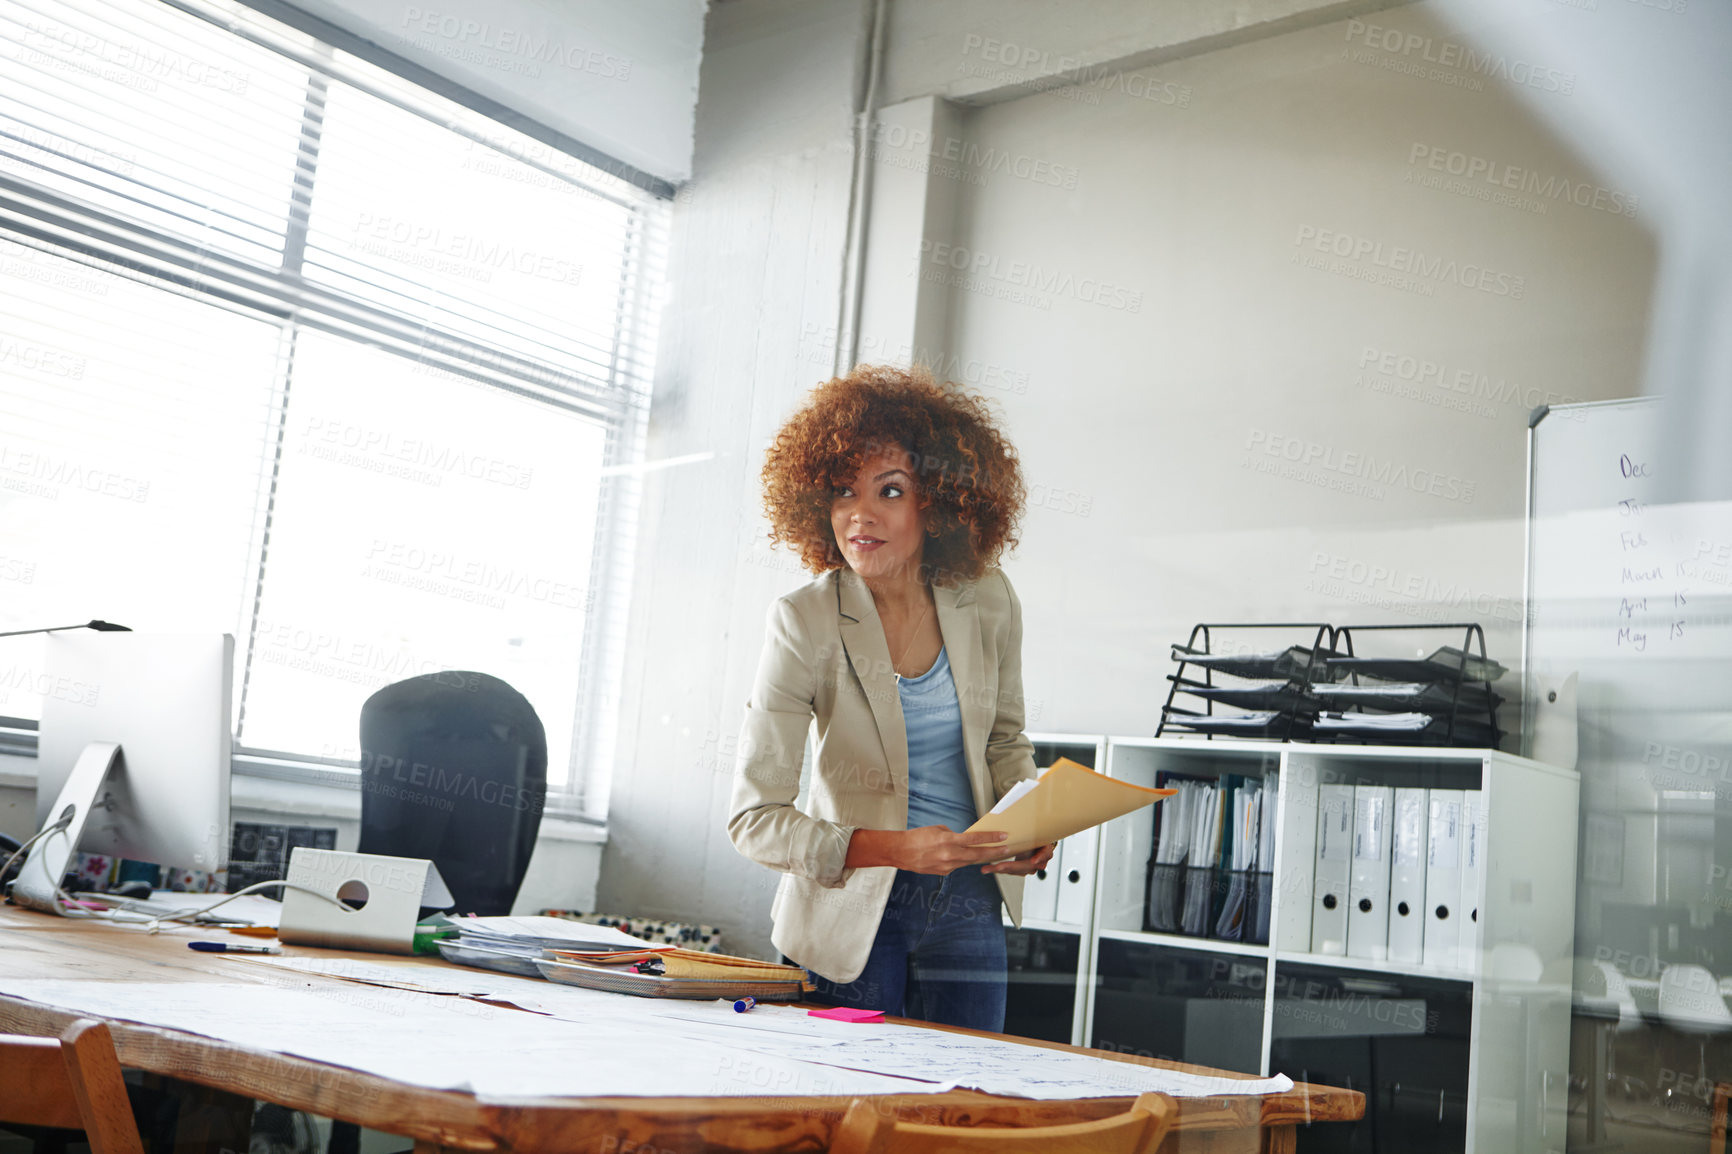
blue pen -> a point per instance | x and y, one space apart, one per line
744 1004
231 948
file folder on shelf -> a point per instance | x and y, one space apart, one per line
1407 877
1071 898
1368 884
1040 894
1472 874
1334 862
1176 825
1443 880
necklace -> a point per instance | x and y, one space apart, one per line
925 609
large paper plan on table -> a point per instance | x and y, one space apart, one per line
1066 799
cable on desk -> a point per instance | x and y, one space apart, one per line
153 924
57 827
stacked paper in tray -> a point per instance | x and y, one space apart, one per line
670 972
1272 689
1444 698
513 945
602 958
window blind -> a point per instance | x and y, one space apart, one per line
324 359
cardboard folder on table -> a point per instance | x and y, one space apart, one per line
1067 799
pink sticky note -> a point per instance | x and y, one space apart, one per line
848 1014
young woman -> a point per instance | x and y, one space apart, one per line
899 493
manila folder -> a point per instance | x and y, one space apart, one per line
1067 799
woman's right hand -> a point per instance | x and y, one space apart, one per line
930 849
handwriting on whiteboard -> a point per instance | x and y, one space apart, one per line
1652 617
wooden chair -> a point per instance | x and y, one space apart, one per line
865 1130
1717 1124
72 1083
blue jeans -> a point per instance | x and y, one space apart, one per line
938 955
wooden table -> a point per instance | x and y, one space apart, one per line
36 945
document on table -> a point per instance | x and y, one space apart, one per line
997 1067
447 1043
402 975
625 1047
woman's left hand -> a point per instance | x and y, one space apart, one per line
1022 863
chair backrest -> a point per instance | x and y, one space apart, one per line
1618 989
1690 1000
72 1082
1717 1121
865 1129
454 769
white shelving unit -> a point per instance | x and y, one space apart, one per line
1062 901
1498 1032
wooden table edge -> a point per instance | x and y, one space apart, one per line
463 1120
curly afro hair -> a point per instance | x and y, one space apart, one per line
969 481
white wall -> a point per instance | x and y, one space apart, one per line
1156 421
1193 185
620 76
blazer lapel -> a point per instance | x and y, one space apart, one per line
863 638
959 623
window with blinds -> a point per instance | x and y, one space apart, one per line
293 348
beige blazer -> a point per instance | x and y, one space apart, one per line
825 658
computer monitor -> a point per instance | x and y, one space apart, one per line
163 795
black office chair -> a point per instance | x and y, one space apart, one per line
454 769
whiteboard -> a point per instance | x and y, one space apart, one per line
1634 596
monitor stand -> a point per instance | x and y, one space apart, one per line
39 880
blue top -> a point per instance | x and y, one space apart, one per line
938 788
